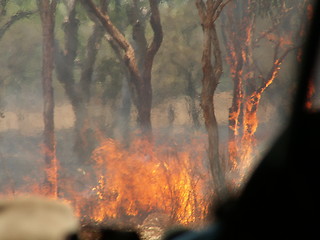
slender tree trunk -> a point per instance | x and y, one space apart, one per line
246 75
237 32
250 119
47 13
208 13
209 83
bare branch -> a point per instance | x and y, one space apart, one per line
138 31
219 10
117 35
106 22
275 23
155 23
274 71
19 15
201 9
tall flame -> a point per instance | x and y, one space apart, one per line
143 178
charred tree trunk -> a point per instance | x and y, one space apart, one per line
208 13
237 32
249 81
250 120
78 94
47 13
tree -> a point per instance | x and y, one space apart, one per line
78 90
177 74
47 10
139 60
242 37
209 11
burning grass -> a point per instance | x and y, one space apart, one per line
150 186
143 178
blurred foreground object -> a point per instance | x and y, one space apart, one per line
93 232
35 218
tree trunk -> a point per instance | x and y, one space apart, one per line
238 20
209 12
79 95
139 67
250 119
47 13
241 40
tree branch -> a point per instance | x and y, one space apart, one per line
155 23
219 10
201 10
274 71
138 32
117 36
19 15
217 68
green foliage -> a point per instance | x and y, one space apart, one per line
20 5
178 59
108 75
118 13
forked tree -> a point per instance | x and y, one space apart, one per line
139 59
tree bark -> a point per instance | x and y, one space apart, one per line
47 13
208 13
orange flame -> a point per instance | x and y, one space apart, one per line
127 184
144 179
310 94
50 186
